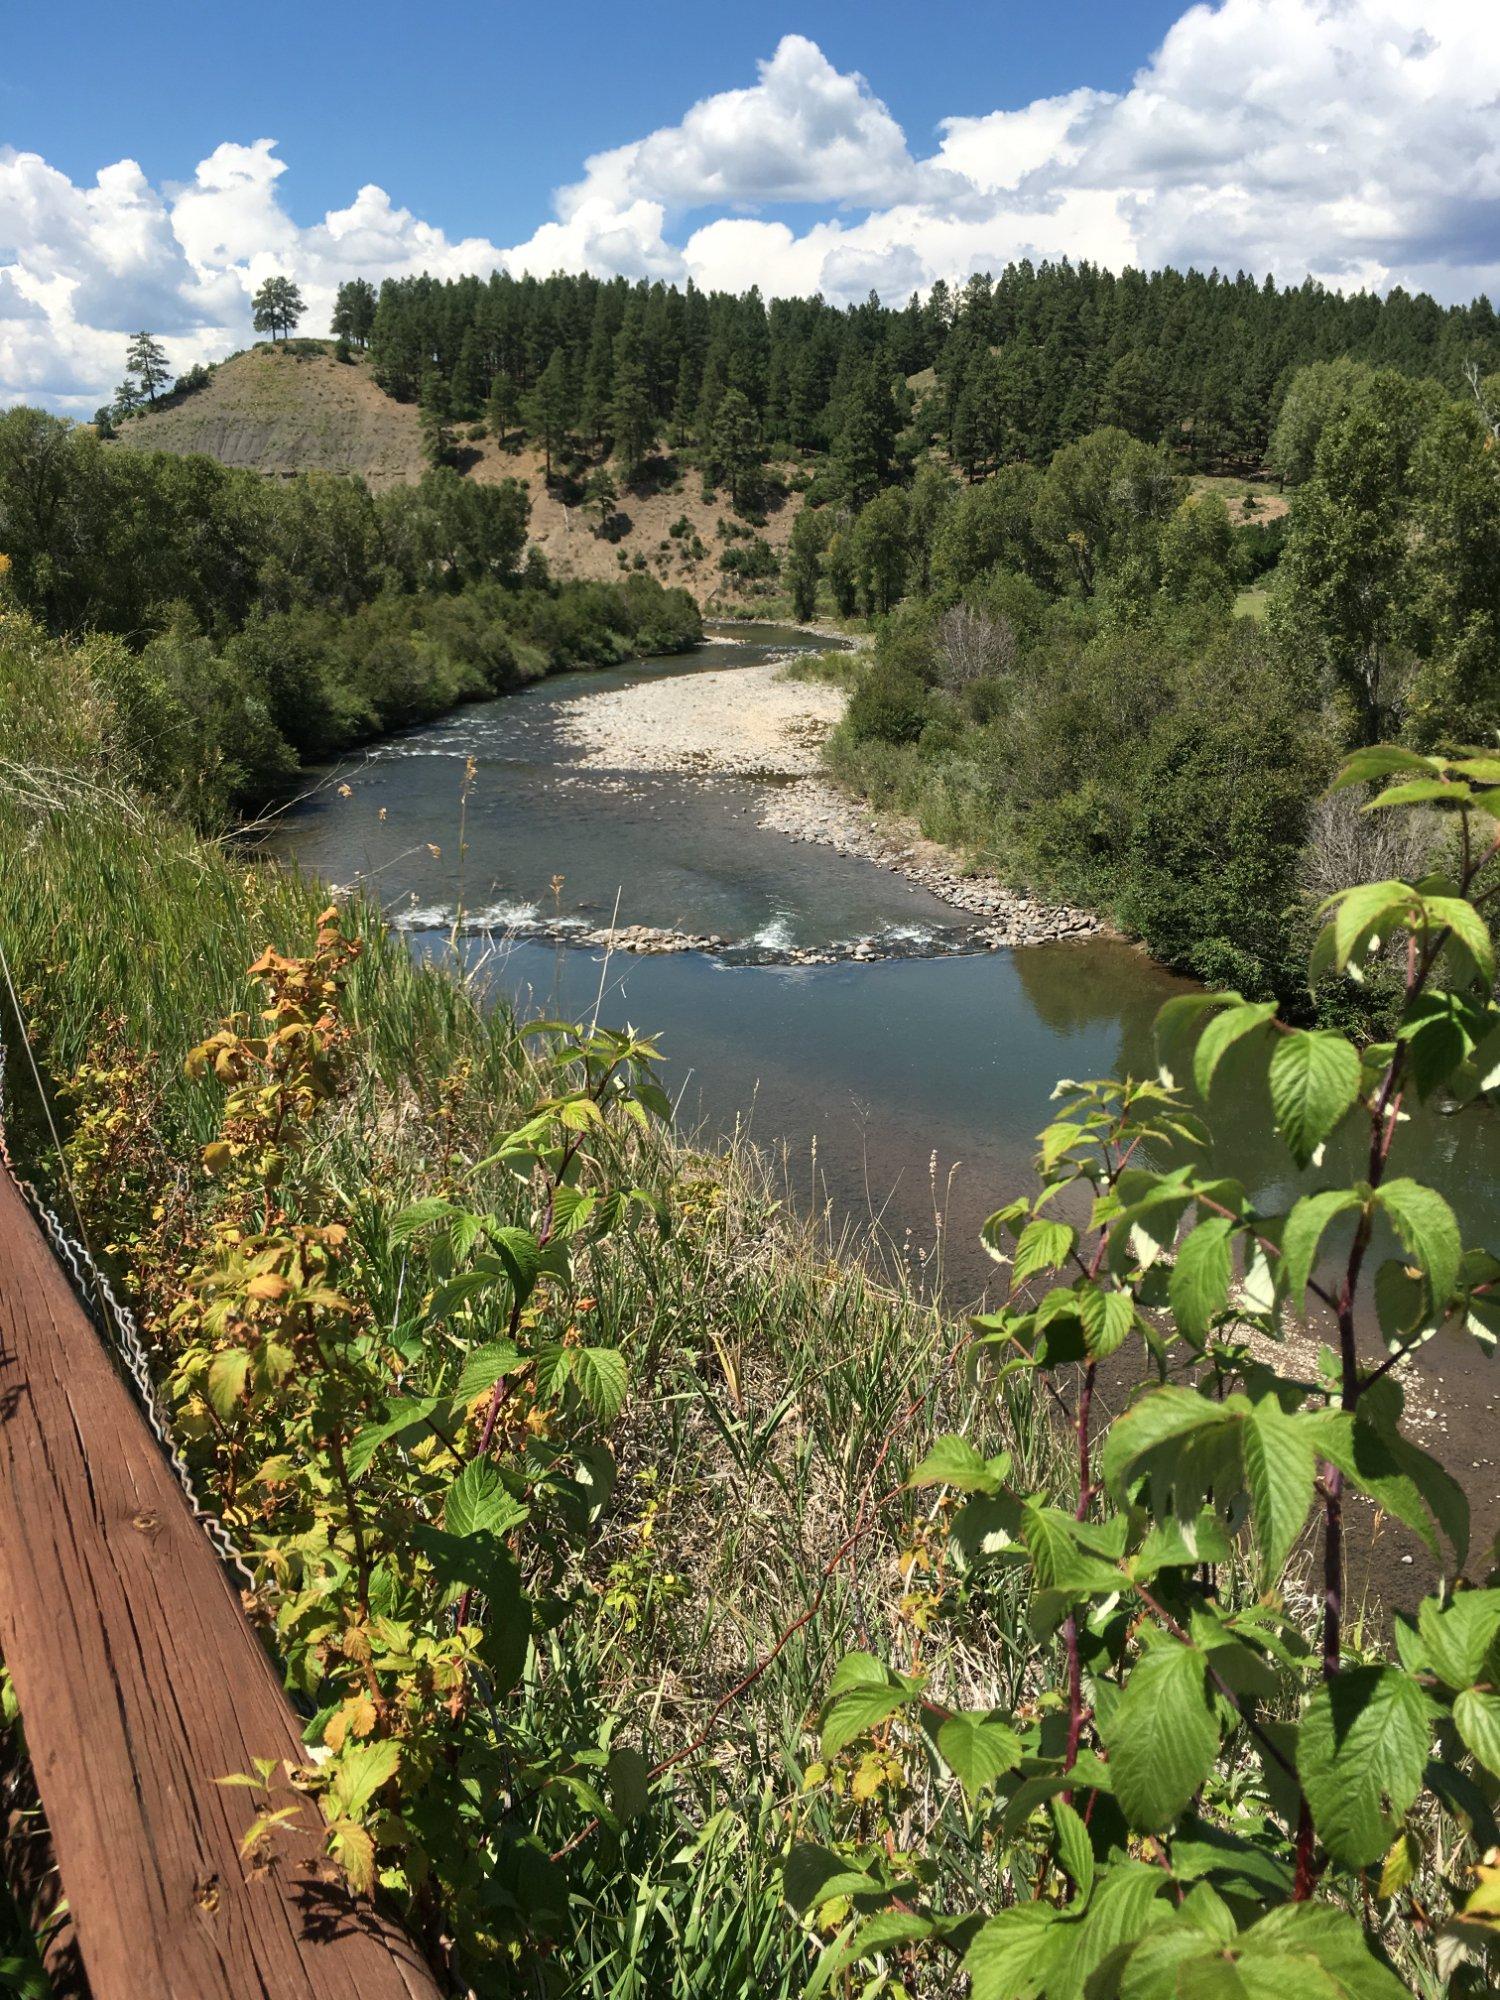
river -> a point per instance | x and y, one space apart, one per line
903 1094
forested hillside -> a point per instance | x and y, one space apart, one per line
1018 366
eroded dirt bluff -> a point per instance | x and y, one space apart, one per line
287 410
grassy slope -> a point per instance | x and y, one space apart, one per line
778 1391
280 411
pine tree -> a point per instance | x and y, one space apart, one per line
630 420
276 308
146 359
734 448
803 566
503 409
354 312
549 409
435 420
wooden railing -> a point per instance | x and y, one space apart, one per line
141 1685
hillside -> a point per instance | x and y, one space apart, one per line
296 409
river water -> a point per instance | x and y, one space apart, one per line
903 1094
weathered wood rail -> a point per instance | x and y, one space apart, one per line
140 1685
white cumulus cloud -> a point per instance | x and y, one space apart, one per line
1356 140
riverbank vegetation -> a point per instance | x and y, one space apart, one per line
238 627
675 1609
1062 686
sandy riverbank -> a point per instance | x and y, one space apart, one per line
756 722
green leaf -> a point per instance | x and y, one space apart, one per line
1458 1639
813 1876
861 1705
1161 1417
1122 1908
1303 1233
1075 1851
978 1748
1478 1718
1380 761
361 1770
1012 1956
1428 1231
1316 1935
602 1379
478 1503
1473 933
1367 1458
1198 1287
1222 1032
484 1366
953 1461
521 1254
408 1413
1162 1735
410 1222
1107 1319
1280 1468
1360 1756
226 1380
628 1777
1371 909
1314 1079
1175 1019
1042 1246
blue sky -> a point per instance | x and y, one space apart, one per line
474 121
154 178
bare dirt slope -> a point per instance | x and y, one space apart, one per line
281 411
285 410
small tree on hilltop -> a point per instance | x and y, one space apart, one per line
354 312
146 359
277 307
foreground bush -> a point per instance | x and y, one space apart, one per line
1193 1786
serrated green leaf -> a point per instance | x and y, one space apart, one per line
1361 1751
1012 1956
978 1748
1371 909
1303 1233
1381 760
1198 1287
602 1379
953 1461
1478 1718
1221 1034
478 1503
859 1705
1162 1416
484 1366
1075 1851
1457 1639
227 1373
360 1771
1429 1232
1042 1246
1280 1468
1107 1319
1314 1079
1473 933
1162 1735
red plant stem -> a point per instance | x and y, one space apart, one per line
1077 1713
